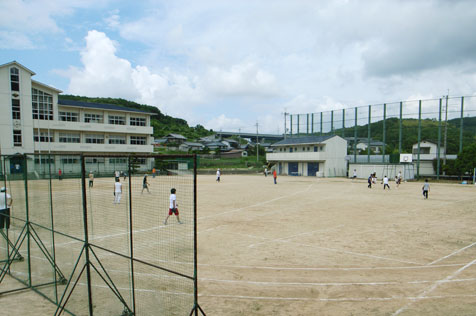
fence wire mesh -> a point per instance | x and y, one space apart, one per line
93 234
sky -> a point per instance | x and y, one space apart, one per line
229 65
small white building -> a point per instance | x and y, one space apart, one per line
428 153
35 120
310 156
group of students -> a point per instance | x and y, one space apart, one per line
398 179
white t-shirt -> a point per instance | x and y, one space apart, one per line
173 198
118 174
3 202
385 180
118 187
218 173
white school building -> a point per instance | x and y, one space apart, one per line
35 120
322 156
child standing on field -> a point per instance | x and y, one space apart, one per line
385 183
117 191
426 189
173 206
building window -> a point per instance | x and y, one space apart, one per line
69 138
16 109
42 104
137 121
140 161
93 118
117 160
44 160
117 120
94 139
15 79
68 116
17 138
138 140
69 160
94 160
315 148
117 139
43 136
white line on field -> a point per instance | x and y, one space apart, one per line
344 299
424 293
257 204
331 269
331 283
453 253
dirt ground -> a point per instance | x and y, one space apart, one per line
309 246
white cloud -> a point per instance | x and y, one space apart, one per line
224 123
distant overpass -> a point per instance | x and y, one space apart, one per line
261 137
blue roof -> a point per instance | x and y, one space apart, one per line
98 106
302 140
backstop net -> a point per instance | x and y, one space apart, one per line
89 233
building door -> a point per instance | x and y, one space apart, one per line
293 168
312 168
16 164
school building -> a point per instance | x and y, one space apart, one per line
322 156
35 120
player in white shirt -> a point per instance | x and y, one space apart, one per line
385 183
173 206
117 191
218 175
5 203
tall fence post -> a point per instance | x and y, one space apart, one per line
384 132
27 217
332 122
86 234
312 123
419 139
343 123
439 143
131 237
298 124
461 127
355 137
195 242
307 123
368 134
321 123
400 129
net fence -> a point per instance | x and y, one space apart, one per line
90 234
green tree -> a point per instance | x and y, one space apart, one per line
466 161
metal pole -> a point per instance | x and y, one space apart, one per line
131 239
332 122
343 123
298 124
312 123
368 134
195 242
285 132
355 137
419 139
446 133
461 127
321 123
400 130
86 235
307 124
257 143
438 158
27 215
384 132
291 123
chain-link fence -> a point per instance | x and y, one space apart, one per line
93 235
434 131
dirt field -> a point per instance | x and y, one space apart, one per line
309 246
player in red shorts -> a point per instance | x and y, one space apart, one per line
173 206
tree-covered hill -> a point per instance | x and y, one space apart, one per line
162 124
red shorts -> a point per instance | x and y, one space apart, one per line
171 211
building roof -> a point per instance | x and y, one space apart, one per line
178 136
216 144
46 86
18 65
102 106
193 144
303 140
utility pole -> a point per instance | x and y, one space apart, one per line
257 143
285 116
446 131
